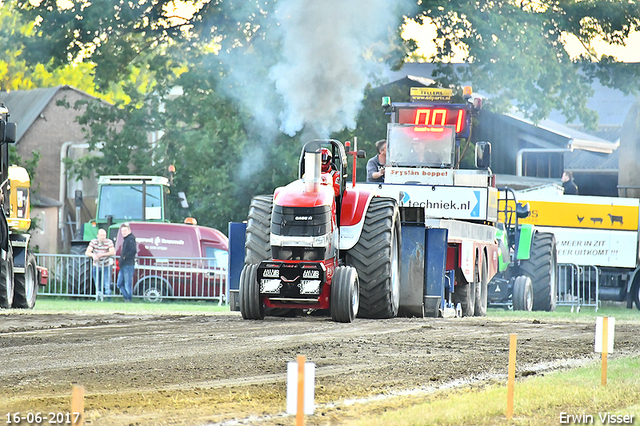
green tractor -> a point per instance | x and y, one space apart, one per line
120 199
527 260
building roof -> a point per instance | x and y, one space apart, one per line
25 106
39 200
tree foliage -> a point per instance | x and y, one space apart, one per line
225 133
517 55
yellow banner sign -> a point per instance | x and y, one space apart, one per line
579 215
430 94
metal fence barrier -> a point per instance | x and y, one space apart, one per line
154 279
578 286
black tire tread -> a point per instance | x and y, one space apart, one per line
251 306
480 309
79 272
519 292
341 289
371 256
6 281
257 244
540 267
20 299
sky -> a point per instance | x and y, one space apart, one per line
424 34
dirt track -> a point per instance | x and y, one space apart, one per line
202 369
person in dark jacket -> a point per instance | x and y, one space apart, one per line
127 259
568 184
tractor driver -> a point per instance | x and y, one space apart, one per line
329 171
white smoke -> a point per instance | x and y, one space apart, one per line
330 49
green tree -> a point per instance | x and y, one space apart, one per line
226 54
516 52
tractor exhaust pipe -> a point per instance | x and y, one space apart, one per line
312 174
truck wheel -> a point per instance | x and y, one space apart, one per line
635 294
153 289
26 285
251 306
6 281
522 294
541 267
480 308
465 295
376 257
79 272
345 294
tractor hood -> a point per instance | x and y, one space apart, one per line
296 195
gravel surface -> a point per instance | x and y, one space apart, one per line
218 368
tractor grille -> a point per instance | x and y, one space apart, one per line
301 221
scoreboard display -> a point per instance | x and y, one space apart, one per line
436 115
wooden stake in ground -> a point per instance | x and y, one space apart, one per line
512 375
605 341
605 329
77 405
300 413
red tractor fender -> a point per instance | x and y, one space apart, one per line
355 202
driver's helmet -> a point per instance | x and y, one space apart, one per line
326 160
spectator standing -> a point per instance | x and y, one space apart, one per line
127 260
101 250
375 165
568 184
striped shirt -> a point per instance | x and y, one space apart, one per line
101 248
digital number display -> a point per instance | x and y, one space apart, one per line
436 116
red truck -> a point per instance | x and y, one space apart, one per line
178 261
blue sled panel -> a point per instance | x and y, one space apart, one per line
412 272
435 270
237 233
422 270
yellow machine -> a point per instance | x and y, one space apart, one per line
19 273
19 219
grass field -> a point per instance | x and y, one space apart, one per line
62 305
52 305
543 400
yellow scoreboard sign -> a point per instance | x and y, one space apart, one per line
577 211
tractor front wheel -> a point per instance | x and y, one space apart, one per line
345 297
541 267
522 294
251 305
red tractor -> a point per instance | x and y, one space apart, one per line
318 244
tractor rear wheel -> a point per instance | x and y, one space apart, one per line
6 280
541 267
79 270
257 246
26 285
345 297
376 257
251 306
522 294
